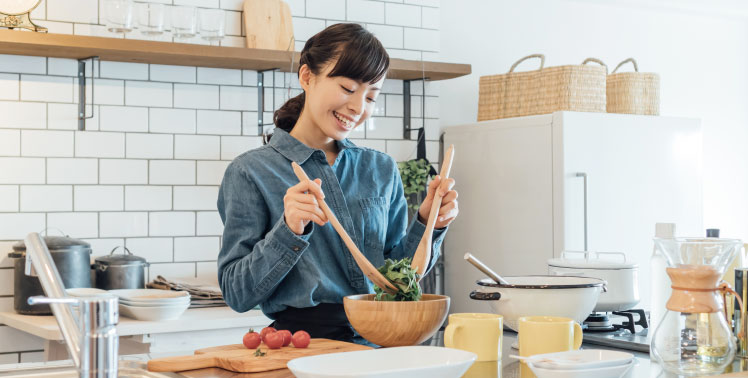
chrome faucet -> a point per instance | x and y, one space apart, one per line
90 335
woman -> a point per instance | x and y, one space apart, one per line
278 249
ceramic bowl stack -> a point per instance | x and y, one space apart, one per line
586 363
152 304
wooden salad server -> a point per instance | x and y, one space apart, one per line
422 257
366 267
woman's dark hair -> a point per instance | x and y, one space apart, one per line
360 56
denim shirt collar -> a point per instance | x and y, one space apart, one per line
295 150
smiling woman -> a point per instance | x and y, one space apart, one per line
278 249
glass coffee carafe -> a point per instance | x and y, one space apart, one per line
693 338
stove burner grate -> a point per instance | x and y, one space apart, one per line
600 322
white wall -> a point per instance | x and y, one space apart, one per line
700 50
146 172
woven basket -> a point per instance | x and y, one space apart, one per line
633 92
546 90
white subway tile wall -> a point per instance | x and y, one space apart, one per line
145 174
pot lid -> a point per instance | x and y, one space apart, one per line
544 282
54 244
120 260
593 260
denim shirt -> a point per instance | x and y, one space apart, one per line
263 262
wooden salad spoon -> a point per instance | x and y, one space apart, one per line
422 257
366 267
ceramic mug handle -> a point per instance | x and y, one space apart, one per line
577 336
449 335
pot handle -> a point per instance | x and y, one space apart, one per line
42 232
481 296
127 251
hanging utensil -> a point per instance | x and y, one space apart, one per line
366 267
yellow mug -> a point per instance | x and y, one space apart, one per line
548 334
477 333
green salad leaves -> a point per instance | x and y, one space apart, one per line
403 277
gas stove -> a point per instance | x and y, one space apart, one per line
619 329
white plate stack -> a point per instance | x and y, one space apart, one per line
152 304
586 363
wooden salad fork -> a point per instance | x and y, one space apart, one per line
366 267
422 257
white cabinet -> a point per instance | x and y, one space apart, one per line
522 195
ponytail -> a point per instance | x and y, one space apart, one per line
287 115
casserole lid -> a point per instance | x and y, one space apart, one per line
125 259
601 260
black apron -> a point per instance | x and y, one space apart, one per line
326 320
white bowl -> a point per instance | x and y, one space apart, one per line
153 313
409 361
148 295
616 371
565 296
159 304
580 359
86 292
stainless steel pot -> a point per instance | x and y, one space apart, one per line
73 260
124 271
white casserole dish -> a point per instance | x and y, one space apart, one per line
566 296
622 276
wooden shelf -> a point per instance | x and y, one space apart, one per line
183 54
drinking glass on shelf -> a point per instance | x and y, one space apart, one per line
118 15
184 21
151 18
212 24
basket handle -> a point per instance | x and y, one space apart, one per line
636 66
598 61
542 61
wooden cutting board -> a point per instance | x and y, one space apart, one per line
239 359
268 25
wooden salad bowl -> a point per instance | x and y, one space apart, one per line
392 324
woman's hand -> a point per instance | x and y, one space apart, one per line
300 205
448 209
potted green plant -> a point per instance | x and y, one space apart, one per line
415 176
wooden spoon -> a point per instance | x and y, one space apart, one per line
423 252
366 267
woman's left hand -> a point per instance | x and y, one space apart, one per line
448 209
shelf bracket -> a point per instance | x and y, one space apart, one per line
82 91
261 100
407 118
407 109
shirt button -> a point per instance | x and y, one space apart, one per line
296 249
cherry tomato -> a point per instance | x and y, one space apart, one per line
286 336
252 339
274 340
265 331
300 339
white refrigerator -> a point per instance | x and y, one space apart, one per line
521 184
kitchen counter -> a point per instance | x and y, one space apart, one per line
205 327
196 319
506 368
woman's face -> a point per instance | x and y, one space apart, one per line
337 105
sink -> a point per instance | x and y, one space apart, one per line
127 369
